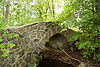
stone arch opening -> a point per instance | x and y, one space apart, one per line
56 41
52 55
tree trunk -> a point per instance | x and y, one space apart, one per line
53 11
7 11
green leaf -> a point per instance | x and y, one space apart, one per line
4 50
10 44
2 46
1 39
4 55
75 37
16 35
10 36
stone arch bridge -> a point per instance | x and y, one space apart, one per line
35 40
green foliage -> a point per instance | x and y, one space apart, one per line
16 35
10 36
5 52
1 39
2 46
11 45
89 43
83 16
6 42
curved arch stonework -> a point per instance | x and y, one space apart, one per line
35 40
31 41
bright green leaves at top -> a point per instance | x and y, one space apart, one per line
29 11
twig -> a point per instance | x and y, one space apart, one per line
70 56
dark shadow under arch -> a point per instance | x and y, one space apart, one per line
53 63
56 41
50 58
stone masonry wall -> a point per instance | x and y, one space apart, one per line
33 39
29 44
